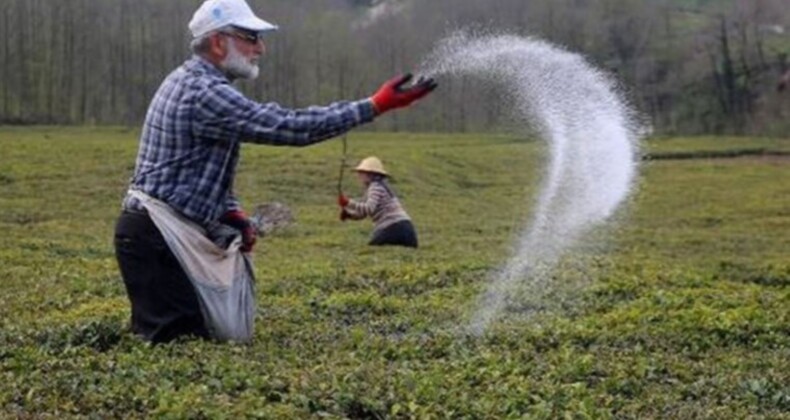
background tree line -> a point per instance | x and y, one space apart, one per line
691 66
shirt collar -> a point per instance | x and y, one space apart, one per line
200 64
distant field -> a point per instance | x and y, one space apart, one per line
685 313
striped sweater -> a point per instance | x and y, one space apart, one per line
380 204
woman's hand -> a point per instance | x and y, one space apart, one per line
344 215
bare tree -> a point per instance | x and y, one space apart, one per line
709 68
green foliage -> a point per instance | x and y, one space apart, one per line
681 310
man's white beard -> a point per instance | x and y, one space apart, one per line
237 66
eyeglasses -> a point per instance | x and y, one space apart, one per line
251 37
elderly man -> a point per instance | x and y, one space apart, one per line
189 149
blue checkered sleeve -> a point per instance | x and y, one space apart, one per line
222 110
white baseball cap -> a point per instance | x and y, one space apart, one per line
216 14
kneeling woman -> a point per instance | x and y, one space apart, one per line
392 225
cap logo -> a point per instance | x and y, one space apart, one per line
217 12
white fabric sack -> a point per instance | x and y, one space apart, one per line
223 278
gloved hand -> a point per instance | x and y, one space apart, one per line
342 200
239 220
344 215
395 94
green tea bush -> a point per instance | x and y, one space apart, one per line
678 310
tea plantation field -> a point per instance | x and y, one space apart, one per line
684 309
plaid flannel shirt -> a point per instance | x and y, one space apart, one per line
189 146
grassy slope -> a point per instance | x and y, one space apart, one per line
685 313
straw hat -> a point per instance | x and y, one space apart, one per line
371 164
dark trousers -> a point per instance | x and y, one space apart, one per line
164 303
400 233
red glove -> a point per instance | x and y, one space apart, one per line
394 94
239 220
342 200
344 215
